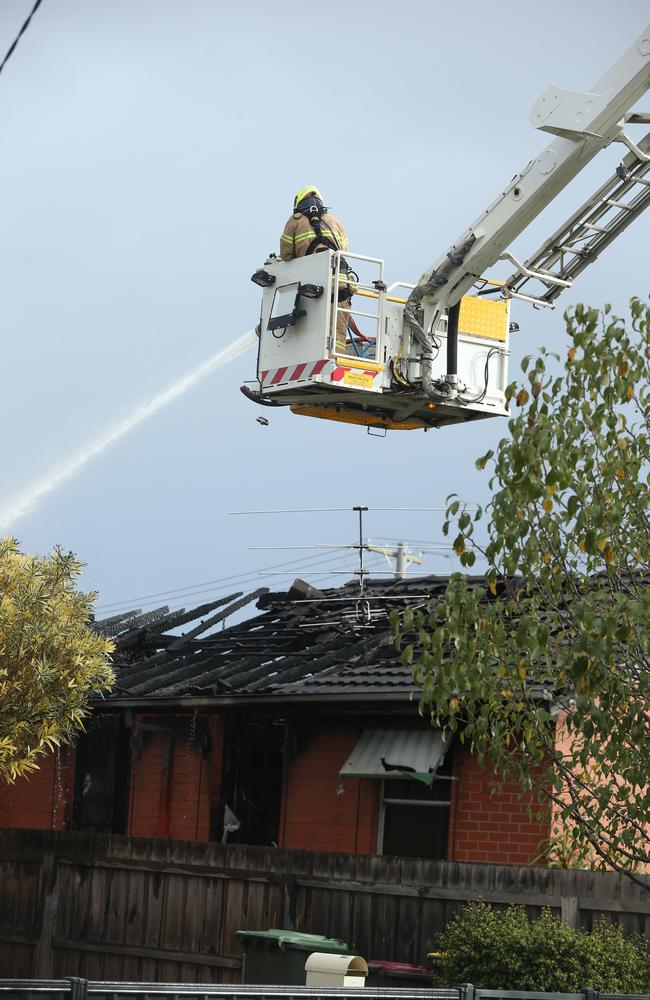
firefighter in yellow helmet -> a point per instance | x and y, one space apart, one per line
312 229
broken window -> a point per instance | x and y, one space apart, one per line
102 775
252 787
414 818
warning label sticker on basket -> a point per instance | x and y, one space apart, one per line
361 380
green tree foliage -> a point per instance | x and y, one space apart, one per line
507 950
50 661
564 619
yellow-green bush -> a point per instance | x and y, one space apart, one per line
50 660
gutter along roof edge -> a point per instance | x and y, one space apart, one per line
192 701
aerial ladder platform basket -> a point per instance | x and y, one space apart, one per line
436 352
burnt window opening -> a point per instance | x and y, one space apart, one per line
252 781
102 775
414 818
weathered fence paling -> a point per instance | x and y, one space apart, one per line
129 909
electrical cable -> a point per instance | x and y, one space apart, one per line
254 577
373 567
227 580
317 561
181 602
224 583
431 334
22 31
481 397
340 510
397 375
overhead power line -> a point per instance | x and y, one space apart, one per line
210 586
329 510
326 576
233 578
20 34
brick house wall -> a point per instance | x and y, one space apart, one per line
175 783
489 823
319 811
172 779
44 799
322 812
175 805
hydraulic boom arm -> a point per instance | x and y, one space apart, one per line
581 125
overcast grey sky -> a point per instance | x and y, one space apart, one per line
151 149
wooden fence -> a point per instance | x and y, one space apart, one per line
125 908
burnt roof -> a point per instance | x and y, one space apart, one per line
301 644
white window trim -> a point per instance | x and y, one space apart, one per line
387 800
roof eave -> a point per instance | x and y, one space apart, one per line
230 701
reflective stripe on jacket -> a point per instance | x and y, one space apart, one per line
299 233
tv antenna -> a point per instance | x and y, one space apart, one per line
401 553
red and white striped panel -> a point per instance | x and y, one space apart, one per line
291 373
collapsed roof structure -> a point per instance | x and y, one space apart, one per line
302 643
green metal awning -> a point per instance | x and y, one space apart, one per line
396 753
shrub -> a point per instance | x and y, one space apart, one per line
615 964
506 950
51 663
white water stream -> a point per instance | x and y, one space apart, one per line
26 503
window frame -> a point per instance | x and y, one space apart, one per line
385 800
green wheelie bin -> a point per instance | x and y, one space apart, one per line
277 957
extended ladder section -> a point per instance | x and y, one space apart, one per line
581 124
583 237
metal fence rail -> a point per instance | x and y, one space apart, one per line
75 988
469 992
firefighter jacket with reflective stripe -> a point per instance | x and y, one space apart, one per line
299 234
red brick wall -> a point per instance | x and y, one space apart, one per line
43 800
174 804
320 811
491 826
484 825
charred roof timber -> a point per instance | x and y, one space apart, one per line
303 643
